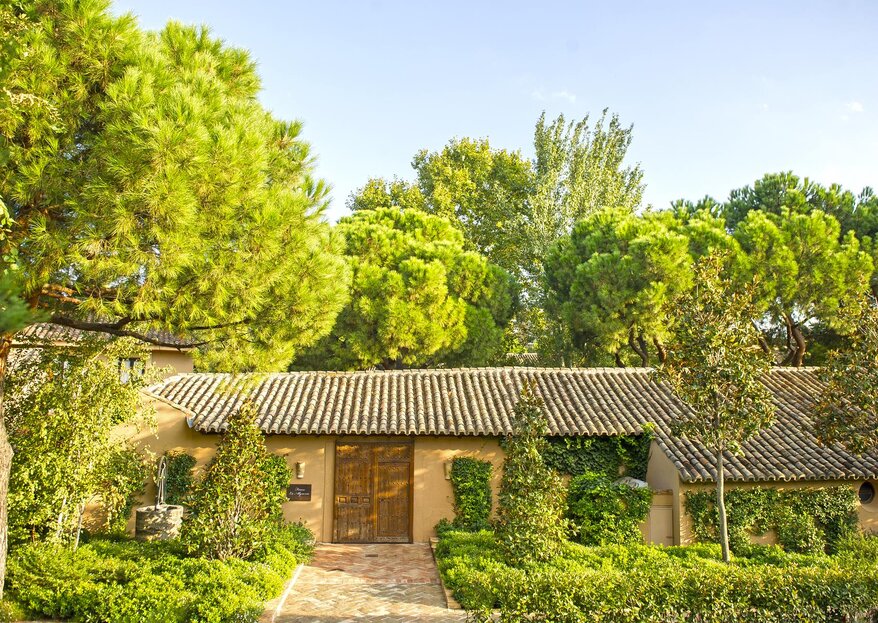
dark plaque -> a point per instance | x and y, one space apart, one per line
299 493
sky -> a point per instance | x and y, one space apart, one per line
718 93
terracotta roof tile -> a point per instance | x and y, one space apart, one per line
480 401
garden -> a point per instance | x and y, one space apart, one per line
580 557
74 487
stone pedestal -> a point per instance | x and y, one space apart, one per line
158 523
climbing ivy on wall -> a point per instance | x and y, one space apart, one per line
805 520
471 482
178 486
607 455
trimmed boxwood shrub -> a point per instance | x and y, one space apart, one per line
604 512
642 583
122 581
471 482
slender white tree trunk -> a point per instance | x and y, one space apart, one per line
5 460
721 505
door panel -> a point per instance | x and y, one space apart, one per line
354 501
373 492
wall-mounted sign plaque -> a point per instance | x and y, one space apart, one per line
299 493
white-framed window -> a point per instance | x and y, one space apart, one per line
129 366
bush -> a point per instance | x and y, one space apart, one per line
805 520
238 504
179 482
604 511
471 481
644 583
530 526
122 581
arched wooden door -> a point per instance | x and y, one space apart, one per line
373 492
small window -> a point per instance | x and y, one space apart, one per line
129 366
867 493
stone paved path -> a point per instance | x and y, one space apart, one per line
369 583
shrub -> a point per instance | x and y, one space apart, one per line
530 526
471 481
604 511
608 455
179 482
643 583
124 580
805 520
237 505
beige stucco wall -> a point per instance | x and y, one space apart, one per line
432 495
175 361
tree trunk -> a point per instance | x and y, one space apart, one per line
801 344
618 358
5 460
635 342
660 349
721 505
763 343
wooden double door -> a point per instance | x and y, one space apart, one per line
373 492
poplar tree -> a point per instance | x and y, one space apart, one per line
146 188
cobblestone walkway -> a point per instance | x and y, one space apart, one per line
369 583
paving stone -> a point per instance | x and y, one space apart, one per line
369 583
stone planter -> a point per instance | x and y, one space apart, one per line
158 523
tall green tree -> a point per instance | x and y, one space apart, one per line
847 411
714 367
804 268
417 297
146 186
609 282
578 169
484 191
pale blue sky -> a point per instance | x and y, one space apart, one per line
719 93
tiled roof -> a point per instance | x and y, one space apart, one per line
50 333
480 401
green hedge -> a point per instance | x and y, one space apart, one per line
604 511
807 520
639 584
471 482
179 482
125 580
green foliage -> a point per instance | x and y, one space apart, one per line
613 456
124 477
179 481
237 506
121 581
484 192
418 297
611 279
644 584
185 203
530 524
62 406
806 520
804 267
714 367
605 512
471 482
846 411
